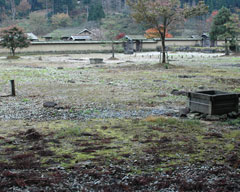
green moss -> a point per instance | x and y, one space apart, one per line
168 141
229 147
233 134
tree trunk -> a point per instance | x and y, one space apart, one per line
13 9
13 51
163 36
226 48
163 50
113 51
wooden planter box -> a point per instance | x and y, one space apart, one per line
213 102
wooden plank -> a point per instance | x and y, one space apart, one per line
199 100
199 108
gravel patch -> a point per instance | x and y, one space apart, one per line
22 111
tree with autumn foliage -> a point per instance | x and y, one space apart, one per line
13 37
153 33
163 15
61 20
23 8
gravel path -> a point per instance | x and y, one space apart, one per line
25 111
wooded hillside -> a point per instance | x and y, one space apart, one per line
21 8
44 16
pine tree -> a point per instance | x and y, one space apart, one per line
225 26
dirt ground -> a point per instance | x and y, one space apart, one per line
115 126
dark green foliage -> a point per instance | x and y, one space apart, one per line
86 2
218 27
13 37
216 4
123 23
96 12
225 26
35 5
2 3
63 6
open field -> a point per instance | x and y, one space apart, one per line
115 126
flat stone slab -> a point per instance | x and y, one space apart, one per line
96 60
49 104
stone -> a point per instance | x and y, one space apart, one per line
32 134
203 116
193 115
177 92
212 118
60 68
71 81
214 134
183 112
201 87
185 76
224 117
232 115
49 104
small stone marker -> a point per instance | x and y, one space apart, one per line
49 104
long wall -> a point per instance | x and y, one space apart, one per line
99 46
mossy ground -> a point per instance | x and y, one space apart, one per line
146 145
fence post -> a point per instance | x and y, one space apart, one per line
13 87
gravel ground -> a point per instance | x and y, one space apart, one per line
16 113
116 178
107 82
11 110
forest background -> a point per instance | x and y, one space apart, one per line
71 16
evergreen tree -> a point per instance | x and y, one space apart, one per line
225 26
63 6
96 12
35 5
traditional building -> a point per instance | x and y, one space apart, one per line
83 35
32 37
133 43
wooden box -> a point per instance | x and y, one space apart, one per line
213 102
